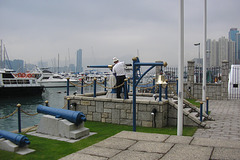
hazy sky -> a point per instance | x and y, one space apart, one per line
35 30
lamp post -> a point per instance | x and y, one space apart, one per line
198 44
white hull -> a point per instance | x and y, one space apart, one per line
55 83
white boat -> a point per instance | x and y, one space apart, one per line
90 75
14 86
49 79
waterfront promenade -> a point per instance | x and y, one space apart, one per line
221 141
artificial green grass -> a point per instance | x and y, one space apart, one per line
53 149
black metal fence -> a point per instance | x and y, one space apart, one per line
213 74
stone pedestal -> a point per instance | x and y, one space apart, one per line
61 127
7 145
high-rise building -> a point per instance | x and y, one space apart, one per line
18 65
220 50
237 48
234 36
79 67
213 51
231 53
72 67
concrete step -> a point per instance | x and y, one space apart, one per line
188 109
175 101
194 114
81 132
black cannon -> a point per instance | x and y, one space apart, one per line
75 117
17 139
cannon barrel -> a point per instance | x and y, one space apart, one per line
75 117
100 66
17 139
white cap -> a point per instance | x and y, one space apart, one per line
115 59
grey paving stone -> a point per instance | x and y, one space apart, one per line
116 143
80 156
100 151
188 152
179 139
215 142
225 153
156 147
24 150
142 136
134 155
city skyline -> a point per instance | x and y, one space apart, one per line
217 50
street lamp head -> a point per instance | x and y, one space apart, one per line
196 44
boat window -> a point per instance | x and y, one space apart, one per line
13 81
26 81
6 81
46 71
20 81
45 77
57 77
8 75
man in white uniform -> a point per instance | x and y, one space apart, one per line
119 72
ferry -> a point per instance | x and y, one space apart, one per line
10 85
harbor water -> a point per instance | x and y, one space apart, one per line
55 97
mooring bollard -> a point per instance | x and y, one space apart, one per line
68 86
46 103
82 85
201 108
207 105
19 118
160 93
94 87
68 103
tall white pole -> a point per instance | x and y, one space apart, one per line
204 56
199 73
180 73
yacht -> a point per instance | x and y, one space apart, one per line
11 85
49 79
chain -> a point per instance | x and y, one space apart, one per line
35 126
64 105
81 85
29 113
100 82
9 115
111 87
144 87
189 94
171 89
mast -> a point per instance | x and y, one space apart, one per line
1 55
58 62
68 61
4 57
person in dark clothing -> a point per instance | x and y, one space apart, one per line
120 73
